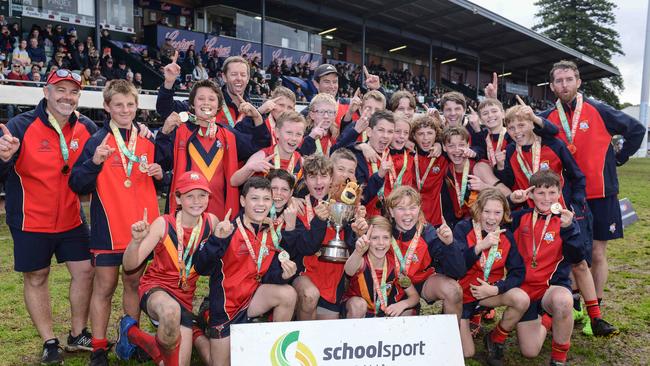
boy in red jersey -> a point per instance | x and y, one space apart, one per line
167 286
424 255
322 130
289 130
374 281
494 267
282 100
247 276
549 241
114 167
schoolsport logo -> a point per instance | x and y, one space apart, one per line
279 351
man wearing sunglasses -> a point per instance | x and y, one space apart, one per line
37 150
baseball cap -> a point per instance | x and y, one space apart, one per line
192 180
63 74
323 70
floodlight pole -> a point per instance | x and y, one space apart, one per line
262 32
429 92
478 75
645 87
362 76
98 45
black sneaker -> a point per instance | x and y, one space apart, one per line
140 355
99 358
52 353
601 328
494 351
558 363
82 342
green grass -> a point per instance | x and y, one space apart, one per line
627 303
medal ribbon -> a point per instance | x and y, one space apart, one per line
535 246
570 132
276 160
263 248
460 191
129 151
486 263
226 112
381 293
319 146
62 143
375 169
404 262
308 208
535 151
185 258
490 145
420 182
398 182
276 233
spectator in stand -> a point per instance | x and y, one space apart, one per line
35 69
200 72
214 64
189 63
6 41
35 76
107 69
36 52
58 32
167 51
98 78
299 94
129 76
93 58
71 39
86 75
20 54
3 21
204 55
60 47
137 80
16 73
79 57
90 43
60 60
15 32
48 34
121 71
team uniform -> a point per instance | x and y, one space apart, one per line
237 266
456 196
43 214
328 277
372 283
419 254
587 128
548 251
163 273
190 147
120 192
429 175
322 145
505 271
292 165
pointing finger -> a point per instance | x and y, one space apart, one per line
472 110
365 72
227 217
270 157
519 100
5 130
495 79
144 216
175 57
105 140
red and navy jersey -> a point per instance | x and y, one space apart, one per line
217 159
400 158
38 198
164 272
284 163
430 256
270 125
507 271
362 285
233 273
559 248
594 152
114 207
432 185
308 146
452 211
555 156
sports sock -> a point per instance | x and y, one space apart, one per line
145 341
593 309
98 344
499 335
559 351
547 322
576 300
170 357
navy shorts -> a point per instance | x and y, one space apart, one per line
469 309
107 259
336 308
33 251
222 330
608 222
187 318
535 309
585 220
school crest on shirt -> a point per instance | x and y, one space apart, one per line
435 170
544 165
584 125
549 237
74 144
414 258
182 144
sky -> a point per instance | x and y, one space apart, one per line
630 24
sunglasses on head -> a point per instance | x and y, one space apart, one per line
64 73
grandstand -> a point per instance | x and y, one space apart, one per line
425 46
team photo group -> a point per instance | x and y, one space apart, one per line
359 207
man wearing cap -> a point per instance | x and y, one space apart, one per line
37 149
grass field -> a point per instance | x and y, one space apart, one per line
627 302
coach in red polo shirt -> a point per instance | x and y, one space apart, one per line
37 150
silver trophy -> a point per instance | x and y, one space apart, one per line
336 250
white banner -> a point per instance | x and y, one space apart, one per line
413 341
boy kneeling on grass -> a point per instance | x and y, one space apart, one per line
168 285
247 276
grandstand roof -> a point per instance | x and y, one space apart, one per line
456 29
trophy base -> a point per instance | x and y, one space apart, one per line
334 254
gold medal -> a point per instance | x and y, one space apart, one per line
556 208
283 256
404 281
572 149
258 278
127 183
534 264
